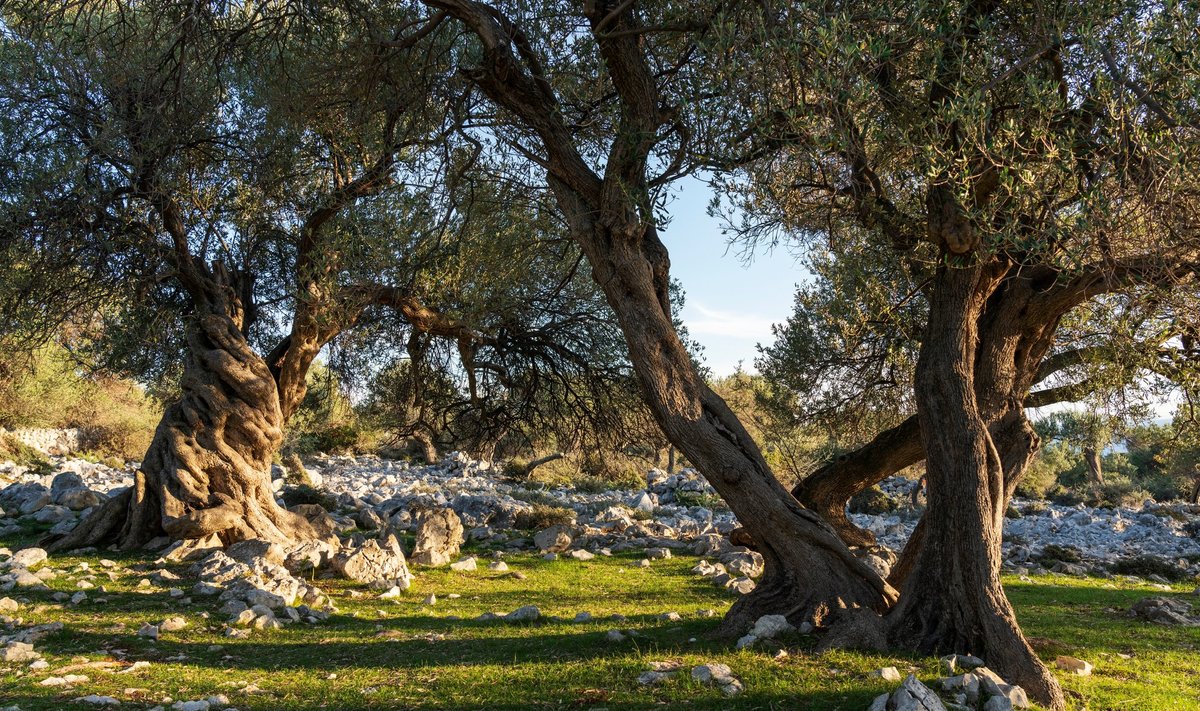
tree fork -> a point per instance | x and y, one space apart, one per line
953 601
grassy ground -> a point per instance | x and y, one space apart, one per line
377 654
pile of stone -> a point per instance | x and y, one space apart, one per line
62 499
1165 611
975 688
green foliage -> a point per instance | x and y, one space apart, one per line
23 455
593 471
296 475
50 388
1055 553
326 420
1117 491
873 501
542 516
1044 472
698 498
788 447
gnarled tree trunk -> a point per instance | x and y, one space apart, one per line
953 601
828 489
208 469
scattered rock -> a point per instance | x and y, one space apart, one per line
1074 665
465 565
27 558
528 613
771 626
372 562
555 539
1164 611
439 535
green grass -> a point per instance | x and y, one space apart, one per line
377 654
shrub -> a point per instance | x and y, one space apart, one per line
24 455
1118 491
1054 553
589 473
295 473
697 498
1064 496
542 516
326 420
304 494
47 389
873 501
1035 507
1144 566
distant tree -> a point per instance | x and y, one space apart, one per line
1088 433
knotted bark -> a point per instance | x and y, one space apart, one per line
953 600
208 468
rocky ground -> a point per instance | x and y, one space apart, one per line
380 516
676 511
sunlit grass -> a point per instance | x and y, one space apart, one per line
377 654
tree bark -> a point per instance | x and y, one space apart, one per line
827 490
540 461
952 601
810 574
208 468
1095 469
428 448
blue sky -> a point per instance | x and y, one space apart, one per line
730 303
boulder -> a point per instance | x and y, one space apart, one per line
712 674
465 565
747 564
372 562
318 517
193 548
309 555
1164 611
254 549
368 520
771 626
555 539
27 557
1073 665
439 535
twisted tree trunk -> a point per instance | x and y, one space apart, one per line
208 468
953 601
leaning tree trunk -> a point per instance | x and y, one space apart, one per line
208 469
953 601
810 574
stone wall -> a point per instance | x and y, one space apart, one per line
52 441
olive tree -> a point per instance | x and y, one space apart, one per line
1029 159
